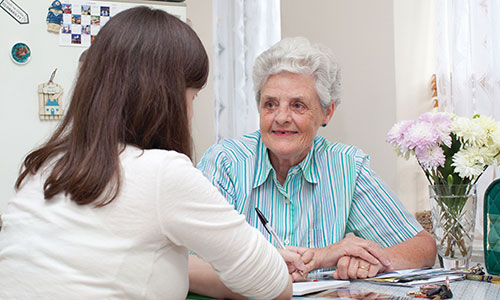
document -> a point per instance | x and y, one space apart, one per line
348 293
413 277
307 287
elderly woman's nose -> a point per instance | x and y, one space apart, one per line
283 114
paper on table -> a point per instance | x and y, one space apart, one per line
307 287
414 277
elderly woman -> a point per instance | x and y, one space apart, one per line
313 191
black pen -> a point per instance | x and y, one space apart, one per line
274 235
269 228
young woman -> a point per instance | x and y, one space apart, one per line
110 205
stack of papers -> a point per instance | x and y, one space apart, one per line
307 287
413 277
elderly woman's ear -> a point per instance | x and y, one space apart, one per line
328 114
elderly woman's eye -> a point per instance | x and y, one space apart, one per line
298 106
269 104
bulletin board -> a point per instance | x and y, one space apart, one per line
82 19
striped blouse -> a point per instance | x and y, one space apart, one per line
331 192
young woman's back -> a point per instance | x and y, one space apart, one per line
135 247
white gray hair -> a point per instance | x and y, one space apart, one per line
298 55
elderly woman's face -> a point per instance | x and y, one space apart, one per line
290 115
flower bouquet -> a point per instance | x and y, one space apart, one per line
453 152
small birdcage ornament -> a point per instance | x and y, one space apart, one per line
49 97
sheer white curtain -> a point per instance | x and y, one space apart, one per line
242 30
468 66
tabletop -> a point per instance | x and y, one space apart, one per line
462 290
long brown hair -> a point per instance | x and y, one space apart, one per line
131 90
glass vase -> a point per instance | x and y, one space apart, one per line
492 228
453 209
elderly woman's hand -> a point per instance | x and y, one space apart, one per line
358 248
349 267
328 257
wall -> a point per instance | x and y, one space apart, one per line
414 61
20 127
200 14
384 46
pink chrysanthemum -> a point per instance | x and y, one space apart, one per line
441 123
396 135
422 136
430 158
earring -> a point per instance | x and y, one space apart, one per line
323 125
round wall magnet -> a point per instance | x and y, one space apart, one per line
20 53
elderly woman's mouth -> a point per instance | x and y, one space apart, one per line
284 132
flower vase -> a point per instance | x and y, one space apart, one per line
453 209
492 228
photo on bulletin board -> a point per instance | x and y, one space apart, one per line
82 20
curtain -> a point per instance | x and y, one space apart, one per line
468 67
242 30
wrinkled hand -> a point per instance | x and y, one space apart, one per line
294 263
360 248
349 267
328 257
306 256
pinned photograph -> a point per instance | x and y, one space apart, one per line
86 29
67 8
76 39
95 20
105 11
66 28
86 10
77 19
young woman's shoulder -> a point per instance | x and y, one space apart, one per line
154 159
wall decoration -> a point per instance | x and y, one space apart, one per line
20 53
55 17
82 20
49 98
15 11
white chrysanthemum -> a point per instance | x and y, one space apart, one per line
495 139
492 129
470 131
470 162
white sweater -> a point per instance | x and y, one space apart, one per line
136 247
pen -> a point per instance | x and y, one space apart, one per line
269 228
273 234
486 278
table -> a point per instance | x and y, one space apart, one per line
462 290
